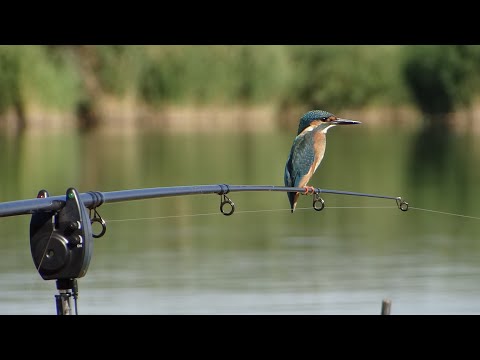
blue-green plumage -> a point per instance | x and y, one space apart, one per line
308 149
299 162
310 116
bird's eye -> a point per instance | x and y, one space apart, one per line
324 118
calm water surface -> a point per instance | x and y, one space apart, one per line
181 256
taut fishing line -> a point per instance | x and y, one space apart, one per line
247 211
446 213
286 209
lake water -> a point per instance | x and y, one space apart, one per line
180 255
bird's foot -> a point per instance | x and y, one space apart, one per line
309 189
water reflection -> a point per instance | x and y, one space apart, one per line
440 157
430 151
180 255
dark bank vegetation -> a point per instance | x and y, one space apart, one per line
77 82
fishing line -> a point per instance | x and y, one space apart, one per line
446 213
249 211
286 209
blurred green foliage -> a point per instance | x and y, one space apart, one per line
9 78
215 74
442 78
119 68
433 78
40 75
347 76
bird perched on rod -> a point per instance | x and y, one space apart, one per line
308 149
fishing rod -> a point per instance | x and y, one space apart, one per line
61 235
94 199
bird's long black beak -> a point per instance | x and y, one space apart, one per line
345 122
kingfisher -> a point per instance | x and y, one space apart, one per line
308 150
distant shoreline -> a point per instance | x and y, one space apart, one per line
126 117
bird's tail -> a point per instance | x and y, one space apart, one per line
292 198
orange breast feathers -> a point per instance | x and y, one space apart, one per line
319 144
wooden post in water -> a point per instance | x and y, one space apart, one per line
386 306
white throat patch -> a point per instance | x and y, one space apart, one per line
328 127
311 128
